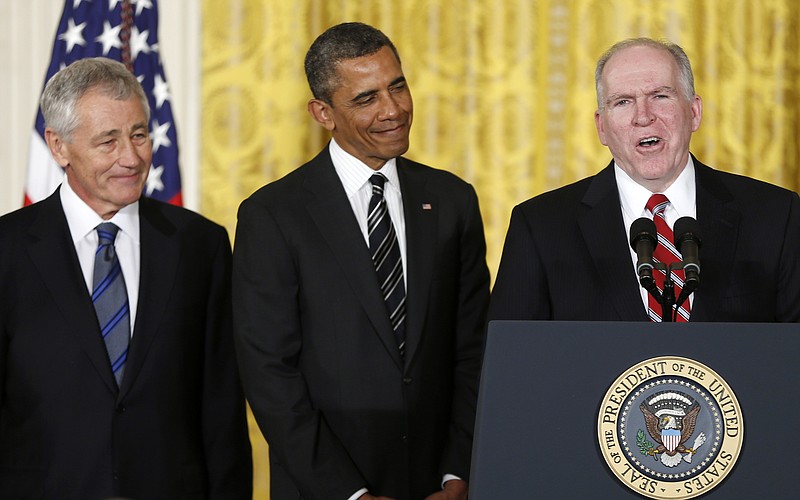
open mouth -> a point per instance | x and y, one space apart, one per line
649 142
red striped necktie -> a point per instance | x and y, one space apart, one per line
666 253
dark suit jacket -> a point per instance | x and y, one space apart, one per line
338 406
177 426
567 257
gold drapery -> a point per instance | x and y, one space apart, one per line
504 92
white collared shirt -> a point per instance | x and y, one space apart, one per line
633 197
355 175
82 221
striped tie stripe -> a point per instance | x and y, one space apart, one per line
110 299
666 253
386 258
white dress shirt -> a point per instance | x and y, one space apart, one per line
355 175
83 221
633 199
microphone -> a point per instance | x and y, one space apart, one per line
687 240
643 242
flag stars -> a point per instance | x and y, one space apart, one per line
141 5
154 182
160 90
73 35
139 42
110 37
159 135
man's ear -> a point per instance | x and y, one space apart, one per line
58 147
321 112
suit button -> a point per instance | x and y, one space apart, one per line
404 438
408 380
120 408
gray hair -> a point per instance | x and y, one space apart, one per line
686 77
67 86
341 42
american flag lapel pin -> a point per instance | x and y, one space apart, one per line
426 206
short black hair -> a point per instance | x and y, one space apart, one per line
338 43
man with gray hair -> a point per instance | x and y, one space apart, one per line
117 370
360 292
567 254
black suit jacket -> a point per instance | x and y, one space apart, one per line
567 257
176 428
338 406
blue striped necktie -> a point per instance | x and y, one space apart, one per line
385 251
110 299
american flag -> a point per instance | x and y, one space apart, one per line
125 30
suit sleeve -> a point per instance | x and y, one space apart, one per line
520 291
473 300
225 437
268 332
788 293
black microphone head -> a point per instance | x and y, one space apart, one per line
643 228
686 229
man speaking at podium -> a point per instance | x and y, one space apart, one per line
568 256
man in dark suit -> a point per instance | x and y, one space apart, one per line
356 401
567 255
158 412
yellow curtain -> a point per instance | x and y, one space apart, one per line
504 92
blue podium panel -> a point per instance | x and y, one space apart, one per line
543 385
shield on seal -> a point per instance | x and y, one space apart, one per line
671 438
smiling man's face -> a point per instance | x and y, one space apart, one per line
371 110
646 120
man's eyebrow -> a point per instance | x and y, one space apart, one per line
364 94
115 132
400 79
664 89
619 95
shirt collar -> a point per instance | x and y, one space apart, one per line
82 220
681 193
355 174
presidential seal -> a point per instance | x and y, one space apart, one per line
670 428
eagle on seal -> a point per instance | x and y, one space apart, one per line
670 418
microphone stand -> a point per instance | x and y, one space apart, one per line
667 297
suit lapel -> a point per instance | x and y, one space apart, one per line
719 220
55 259
604 238
419 208
333 215
159 260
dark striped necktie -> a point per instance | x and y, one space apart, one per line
666 253
110 299
385 251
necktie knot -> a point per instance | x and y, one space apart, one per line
657 204
106 234
377 181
